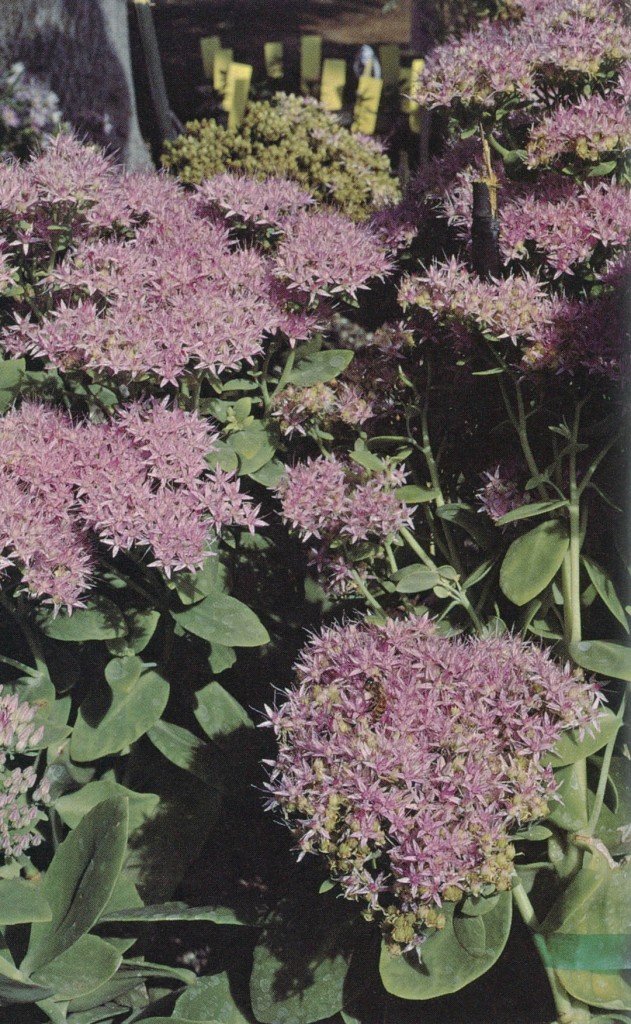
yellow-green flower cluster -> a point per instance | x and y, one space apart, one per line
297 138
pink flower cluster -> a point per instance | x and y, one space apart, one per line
330 498
151 283
515 307
20 793
137 480
521 62
500 494
267 202
408 759
595 128
568 227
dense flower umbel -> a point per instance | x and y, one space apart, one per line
19 792
135 278
597 127
408 759
138 480
517 64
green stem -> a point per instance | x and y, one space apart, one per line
19 665
392 562
287 368
572 595
603 777
569 1010
412 543
31 638
364 591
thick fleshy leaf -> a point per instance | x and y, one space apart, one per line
253 447
173 911
320 367
413 495
608 659
605 589
570 747
415 578
79 881
110 719
533 560
569 808
535 508
593 915
80 969
308 939
17 987
222 619
11 374
219 713
99 620
72 807
450 958
22 902
210 999
185 750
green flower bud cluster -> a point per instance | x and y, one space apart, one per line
292 137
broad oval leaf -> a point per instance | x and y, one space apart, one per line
173 911
570 747
533 560
80 969
186 751
219 713
79 881
72 807
527 511
608 659
253 447
320 367
99 620
450 959
22 902
222 619
606 590
210 999
102 730
16 987
415 578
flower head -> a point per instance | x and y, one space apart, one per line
409 758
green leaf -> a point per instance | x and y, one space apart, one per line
218 713
415 578
451 958
320 367
99 620
570 747
413 495
471 522
608 659
16 987
80 969
80 881
182 748
367 460
108 722
535 508
312 939
11 374
221 658
569 808
141 627
253 447
210 999
210 579
533 560
72 807
22 902
172 911
595 909
606 590
270 475
224 456
223 620
607 167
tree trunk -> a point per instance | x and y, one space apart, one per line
80 50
